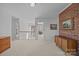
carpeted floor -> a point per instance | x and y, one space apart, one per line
33 48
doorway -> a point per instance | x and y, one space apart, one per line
40 30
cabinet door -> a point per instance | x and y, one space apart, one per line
72 45
59 41
1 49
56 38
4 44
64 44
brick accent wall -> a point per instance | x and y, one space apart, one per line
71 12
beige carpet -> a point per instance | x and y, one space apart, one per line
33 48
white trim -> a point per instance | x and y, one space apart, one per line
65 8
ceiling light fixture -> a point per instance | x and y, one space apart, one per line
32 4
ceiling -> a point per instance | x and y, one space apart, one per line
41 10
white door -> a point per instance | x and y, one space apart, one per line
15 28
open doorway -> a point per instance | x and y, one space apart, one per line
40 30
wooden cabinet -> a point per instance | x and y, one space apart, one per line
66 44
58 41
4 43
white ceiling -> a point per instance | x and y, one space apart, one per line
41 10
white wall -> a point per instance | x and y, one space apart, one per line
49 34
6 13
5 21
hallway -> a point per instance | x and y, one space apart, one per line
33 48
